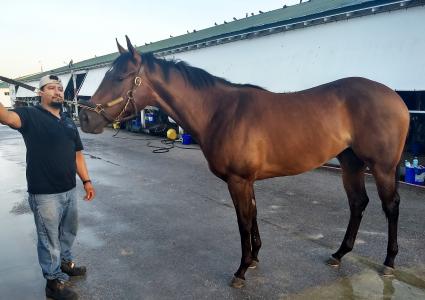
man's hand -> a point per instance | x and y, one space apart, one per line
90 192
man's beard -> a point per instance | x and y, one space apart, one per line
56 105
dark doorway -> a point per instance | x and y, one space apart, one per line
415 101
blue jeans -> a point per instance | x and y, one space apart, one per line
56 221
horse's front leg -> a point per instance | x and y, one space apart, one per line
241 191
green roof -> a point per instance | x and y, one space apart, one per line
286 15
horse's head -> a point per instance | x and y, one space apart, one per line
115 99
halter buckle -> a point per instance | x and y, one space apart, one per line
138 81
99 108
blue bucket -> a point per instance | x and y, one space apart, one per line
419 176
409 176
186 139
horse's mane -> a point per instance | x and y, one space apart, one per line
197 77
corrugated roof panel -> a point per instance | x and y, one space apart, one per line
279 15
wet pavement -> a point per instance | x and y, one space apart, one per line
163 227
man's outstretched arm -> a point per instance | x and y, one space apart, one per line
9 118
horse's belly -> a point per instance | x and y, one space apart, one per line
297 161
286 169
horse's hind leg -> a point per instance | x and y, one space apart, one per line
241 191
386 183
353 178
255 235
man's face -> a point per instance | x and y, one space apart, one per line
52 95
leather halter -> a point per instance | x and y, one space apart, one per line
100 108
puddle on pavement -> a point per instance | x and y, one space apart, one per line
21 208
370 284
19 191
367 285
88 238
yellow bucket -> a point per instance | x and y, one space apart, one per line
171 134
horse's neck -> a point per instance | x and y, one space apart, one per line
191 108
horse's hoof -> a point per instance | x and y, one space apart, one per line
333 262
253 265
388 271
237 282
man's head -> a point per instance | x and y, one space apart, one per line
51 91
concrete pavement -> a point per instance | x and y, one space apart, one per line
164 227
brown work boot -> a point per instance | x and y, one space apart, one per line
56 289
72 270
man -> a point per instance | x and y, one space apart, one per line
54 156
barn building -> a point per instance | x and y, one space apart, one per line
292 48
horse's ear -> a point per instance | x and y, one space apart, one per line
120 48
132 50
129 45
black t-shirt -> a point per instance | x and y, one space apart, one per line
51 145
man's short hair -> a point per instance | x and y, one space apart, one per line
49 79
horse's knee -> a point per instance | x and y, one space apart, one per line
391 208
358 206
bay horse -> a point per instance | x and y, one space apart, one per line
248 133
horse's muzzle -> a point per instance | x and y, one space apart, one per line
91 122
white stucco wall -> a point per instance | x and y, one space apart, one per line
92 81
22 92
386 47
